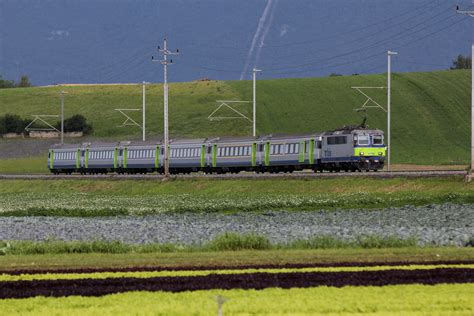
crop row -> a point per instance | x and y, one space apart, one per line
84 204
98 287
443 299
183 273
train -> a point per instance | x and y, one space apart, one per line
347 149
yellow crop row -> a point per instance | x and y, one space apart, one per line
151 274
455 299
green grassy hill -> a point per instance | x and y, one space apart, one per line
430 111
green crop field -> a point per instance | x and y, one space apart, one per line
430 111
143 197
453 299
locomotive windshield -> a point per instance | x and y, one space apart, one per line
378 140
363 140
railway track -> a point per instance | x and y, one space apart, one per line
242 175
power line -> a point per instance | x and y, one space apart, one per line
364 37
411 10
373 55
360 49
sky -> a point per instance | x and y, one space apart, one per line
112 41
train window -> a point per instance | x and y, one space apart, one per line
219 152
297 148
319 144
337 140
363 140
378 140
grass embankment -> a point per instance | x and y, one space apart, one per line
225 242
31 165
145 197
453 299
234 258
430 111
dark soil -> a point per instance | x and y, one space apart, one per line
98 287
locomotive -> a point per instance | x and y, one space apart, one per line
345 149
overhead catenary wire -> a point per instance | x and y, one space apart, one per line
360 49
329 47
372 56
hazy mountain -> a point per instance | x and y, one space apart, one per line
113 40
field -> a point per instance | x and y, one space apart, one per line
416 300
273 282
145 197
440 101
69 254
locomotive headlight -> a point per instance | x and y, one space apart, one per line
380 154
361 153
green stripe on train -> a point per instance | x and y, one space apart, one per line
87 158
370 151
311 151
214 155
115 157
302 151
267 153
78 159
125 157
254 154
157 153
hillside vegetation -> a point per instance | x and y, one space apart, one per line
430 111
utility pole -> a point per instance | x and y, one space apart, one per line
389 88
471 169
143 108
62 116
165 64
255 70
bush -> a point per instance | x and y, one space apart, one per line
235 241
320 242
10 123
24 82
76 123
6 83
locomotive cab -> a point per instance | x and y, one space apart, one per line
369 149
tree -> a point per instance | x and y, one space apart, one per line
24 82
462 62
76 123
12 124
6 83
